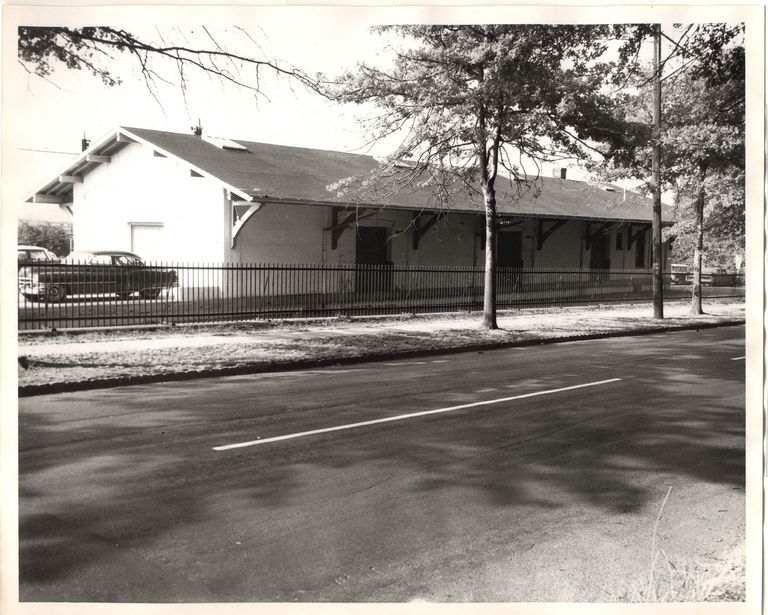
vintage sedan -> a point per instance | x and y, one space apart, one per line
29 255
94 273
679 274
714 276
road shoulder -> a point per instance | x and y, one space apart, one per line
75 361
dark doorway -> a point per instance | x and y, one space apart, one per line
640 253
371 245
374 272
509 259
599 257
509 249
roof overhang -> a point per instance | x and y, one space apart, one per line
350 205
60 189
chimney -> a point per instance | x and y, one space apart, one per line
84 143
563 172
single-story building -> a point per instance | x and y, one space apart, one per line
172 197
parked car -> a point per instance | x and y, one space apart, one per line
714 276
679 273
28 255
94 273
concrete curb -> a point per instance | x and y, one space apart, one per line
263 367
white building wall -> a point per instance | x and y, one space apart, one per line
561 249
625 258
619 257
137 187
294 234
450 241
280 233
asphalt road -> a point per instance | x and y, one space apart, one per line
496 476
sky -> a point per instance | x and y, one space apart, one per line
54 114
286 112
59 111
44 120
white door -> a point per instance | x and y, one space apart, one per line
147 242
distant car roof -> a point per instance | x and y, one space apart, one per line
106 252
32 248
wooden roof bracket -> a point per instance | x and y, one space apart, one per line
40 197
632 237
419 230
542 235
241 213
337 227
98 159
70 179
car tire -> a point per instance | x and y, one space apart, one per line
54 293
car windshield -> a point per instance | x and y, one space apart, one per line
103 259
40 255
126 259
36 254
78 257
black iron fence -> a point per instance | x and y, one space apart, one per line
67 295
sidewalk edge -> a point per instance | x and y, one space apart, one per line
260 368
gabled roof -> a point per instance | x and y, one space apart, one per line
279 173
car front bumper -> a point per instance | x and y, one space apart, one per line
32 288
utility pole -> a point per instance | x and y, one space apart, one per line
656 252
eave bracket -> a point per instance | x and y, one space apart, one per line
542 235
241 213
338 227
419 230
634 236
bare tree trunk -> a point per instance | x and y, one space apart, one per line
697 254
489 287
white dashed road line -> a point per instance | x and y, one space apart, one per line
402 363
402 417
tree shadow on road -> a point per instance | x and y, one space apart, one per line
600 449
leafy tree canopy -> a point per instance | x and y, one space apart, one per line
54 237
469 103
472 100
701 142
